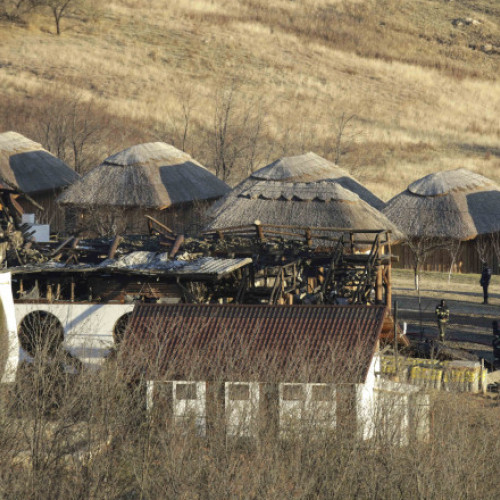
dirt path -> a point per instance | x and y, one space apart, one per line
470 324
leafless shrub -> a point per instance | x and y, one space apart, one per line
88 435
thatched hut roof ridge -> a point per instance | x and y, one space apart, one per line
300 191
304 169
441 183
308 167
26 166
147 153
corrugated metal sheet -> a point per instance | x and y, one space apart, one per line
147 263
242 342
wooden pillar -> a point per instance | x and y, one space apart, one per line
388 273
309 237
379 285
114 246
259 230
388 285
72 296
49 292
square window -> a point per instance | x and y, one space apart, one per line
239 392
293 392
185 391
321 393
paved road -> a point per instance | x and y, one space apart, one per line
464 330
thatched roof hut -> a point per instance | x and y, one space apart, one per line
287 193
27 167
147 177
306 168
457 204
152 175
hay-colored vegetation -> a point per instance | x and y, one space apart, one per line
421 78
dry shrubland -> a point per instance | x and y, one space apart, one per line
419 78
88 436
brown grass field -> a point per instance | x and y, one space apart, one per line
423 93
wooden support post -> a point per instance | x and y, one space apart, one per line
61 246
159 224
309 237
21 287
114 247
379 285
351 241
58 291
177 245
72 292
259 230
49 293
388 272
388 286
396 349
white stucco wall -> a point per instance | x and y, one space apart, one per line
88 328
366 401
241 415
9 344
186 409
307 411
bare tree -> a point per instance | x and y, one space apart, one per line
421 247
344 135
71 128
237 131
453 248
483 245
62 9
15 10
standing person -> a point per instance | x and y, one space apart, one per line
442 316
485 281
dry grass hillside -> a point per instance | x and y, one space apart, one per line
413 84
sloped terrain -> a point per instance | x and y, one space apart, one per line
390 89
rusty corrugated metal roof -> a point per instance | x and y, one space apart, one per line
252 342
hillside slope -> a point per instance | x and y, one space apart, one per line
413 85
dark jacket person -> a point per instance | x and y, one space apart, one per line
485 281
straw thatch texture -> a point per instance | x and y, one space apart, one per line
456 204
26 166
306 168
153 175
312 204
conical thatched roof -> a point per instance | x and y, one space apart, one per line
26 166
304 168
152 175
456 204
310 204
